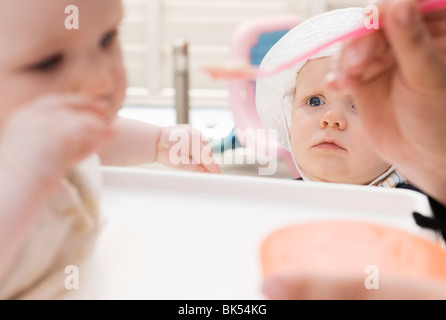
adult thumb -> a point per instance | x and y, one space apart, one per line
412 44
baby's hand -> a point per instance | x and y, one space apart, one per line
183 147
45 138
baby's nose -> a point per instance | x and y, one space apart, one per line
333 117
97 81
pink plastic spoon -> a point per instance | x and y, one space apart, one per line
247 71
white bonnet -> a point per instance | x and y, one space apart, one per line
274 93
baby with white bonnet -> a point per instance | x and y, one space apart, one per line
320 127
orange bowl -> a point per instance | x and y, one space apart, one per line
340 248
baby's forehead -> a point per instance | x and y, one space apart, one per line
29 14
37 16
30 27
24 24
32 18
313 72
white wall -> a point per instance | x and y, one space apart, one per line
151 26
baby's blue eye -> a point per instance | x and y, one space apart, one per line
315 102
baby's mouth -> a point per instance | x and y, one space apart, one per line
329 145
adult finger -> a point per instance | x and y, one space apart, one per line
412 45
313 287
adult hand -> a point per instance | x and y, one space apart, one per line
397 77
313 287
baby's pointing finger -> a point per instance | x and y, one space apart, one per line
207 157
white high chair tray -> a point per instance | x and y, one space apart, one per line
179 235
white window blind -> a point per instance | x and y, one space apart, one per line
150 28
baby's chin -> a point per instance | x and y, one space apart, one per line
342 179
332 176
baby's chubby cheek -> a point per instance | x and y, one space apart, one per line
114 109
119 94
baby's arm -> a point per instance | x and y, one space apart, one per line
138 143
39 143
135 143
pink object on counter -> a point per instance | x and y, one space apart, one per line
242 90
